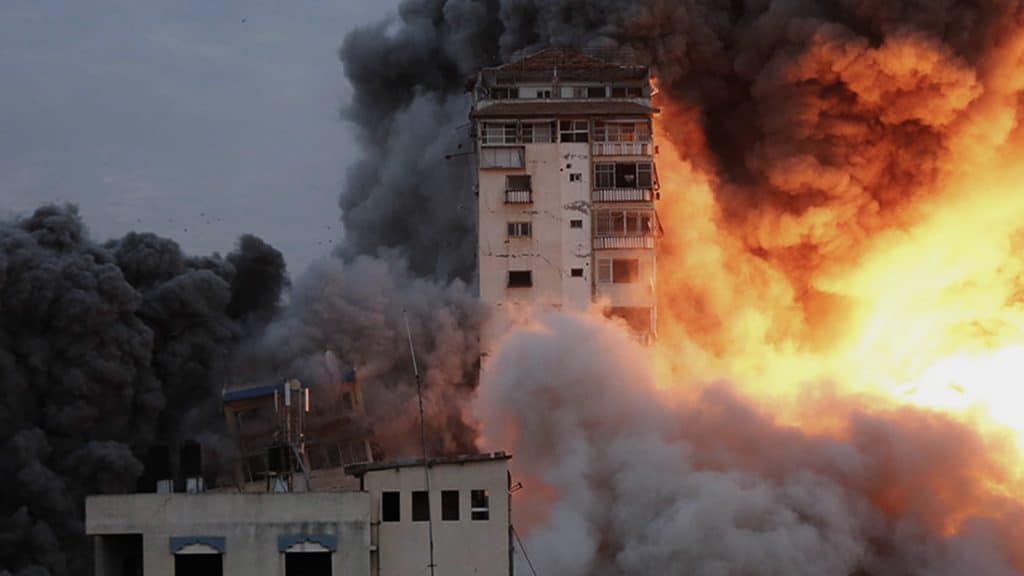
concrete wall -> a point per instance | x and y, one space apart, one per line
249 523
554 248
463 548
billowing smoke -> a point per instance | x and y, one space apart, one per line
810 136
820 123
357 308
105 350
632 479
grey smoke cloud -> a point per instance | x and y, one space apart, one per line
357 309
624 478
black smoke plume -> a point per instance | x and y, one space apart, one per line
105 350
820 121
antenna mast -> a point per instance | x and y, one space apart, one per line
423 442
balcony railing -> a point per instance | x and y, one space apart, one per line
622 195
620 148
636 241
518 196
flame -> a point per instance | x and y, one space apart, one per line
927 311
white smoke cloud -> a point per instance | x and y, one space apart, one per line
625 478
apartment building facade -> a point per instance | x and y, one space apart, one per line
567 187
402 518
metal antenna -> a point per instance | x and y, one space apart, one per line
423 441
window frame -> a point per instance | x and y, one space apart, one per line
420 503
530 132
604 175
573 131
493 133
618 270
524 282
623 222
520 230
384 516
446 506
521 178
480 509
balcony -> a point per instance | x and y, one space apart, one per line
622 195
630 242
518 196
620 148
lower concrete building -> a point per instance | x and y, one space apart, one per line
383 528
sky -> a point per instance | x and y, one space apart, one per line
193 119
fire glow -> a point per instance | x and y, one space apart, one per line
923 308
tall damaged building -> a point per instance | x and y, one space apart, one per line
567 186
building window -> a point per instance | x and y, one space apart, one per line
618 270
543 93
479 505
390 507
573 130
198 565
576 223
517 182
622 132
504 93
623 175
307 564
498 132
627 92
450 505
604 176
520 278
502 158
596 92
538 132
420 506
577 272
520 230
624 222
575 177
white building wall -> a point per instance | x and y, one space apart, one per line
554 249
461 548
249 523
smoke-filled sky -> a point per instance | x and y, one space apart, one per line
216 117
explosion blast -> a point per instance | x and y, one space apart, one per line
842 233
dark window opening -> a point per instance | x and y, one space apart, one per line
390 507
420 506
596 92
122 554
479 505
520 279
575 177
198 565
575 223
307 564
517 182
450 505
625 270
577 272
